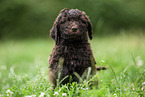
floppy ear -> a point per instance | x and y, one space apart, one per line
89 26
55 32
90 30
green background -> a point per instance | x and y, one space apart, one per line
34 18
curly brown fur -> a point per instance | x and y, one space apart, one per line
70 32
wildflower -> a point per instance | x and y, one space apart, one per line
143 86
9 93
143 83
42 94
64 94
87 88
115 95
55 93
102 61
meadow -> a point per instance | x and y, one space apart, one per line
24 68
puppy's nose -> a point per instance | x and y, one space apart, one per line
74 28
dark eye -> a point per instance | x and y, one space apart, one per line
83 21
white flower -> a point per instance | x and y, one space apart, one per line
102 61
115 95
55 93
9 93
142 88
42 94
143 83
87 88
64 94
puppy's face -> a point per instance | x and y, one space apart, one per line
73 28
73 25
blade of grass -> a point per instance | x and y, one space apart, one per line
89 73
133 59
78 76
113 73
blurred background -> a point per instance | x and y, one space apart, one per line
20 19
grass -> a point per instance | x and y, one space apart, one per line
24 68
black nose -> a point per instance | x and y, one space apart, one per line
74 28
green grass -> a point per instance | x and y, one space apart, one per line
24 68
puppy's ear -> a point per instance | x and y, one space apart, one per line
89 26
90 30
55 32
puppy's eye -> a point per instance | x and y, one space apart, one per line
83 21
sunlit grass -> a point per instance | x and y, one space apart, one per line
24 68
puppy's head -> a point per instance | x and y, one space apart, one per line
71 24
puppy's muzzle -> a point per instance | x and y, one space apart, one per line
74 28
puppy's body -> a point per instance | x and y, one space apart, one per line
70 32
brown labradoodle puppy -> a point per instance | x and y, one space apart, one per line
72 52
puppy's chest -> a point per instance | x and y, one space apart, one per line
76 56
75 53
